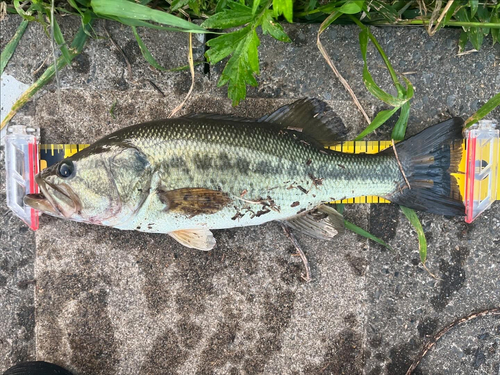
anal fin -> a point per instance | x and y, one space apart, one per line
323 223
201 239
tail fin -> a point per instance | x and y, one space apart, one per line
428 159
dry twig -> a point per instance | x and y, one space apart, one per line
35 72
399 163
430 30
430 273
156 88
191 69
437 336
3 10
307 278
467 52
338 75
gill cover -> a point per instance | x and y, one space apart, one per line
101 185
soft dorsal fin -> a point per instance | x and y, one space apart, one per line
323 223
216 116
201 239
312 117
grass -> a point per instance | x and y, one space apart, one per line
239 46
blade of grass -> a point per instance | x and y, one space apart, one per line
76 47
128 9
392 72
399 130
432 31
59 38
255 6
328 21
413 218
404 95
381 117
495 33
145 51
9 49
484 110
462 41
140 23
473 5
368 80
65 55
420 22
352 7
387 11
354 228
25 14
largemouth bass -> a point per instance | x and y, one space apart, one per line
188 175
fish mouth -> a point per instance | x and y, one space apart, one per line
55 200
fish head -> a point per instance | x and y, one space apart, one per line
102 184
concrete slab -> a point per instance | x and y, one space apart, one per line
244 294
111 302
17 307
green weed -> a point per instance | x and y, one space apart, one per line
244 17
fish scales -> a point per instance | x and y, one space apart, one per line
255 165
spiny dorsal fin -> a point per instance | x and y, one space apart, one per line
312 117
193 201
323 223
201 239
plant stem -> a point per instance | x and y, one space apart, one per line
491 25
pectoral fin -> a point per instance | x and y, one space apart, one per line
323 223
194 201
201 239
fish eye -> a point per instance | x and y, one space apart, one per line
66 169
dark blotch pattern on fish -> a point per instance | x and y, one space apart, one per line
224 161
203 162
243 166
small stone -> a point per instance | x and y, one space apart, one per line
450 100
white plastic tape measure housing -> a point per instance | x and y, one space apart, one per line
21 165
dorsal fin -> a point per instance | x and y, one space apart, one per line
216 116
311 117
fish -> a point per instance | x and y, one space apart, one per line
189 175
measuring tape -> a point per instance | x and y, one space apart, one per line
53 153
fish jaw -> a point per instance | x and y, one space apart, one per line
40 203
59 201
